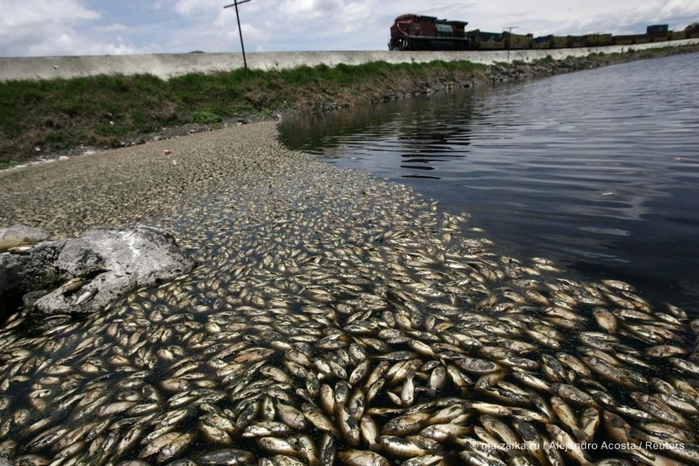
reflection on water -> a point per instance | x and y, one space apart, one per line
598 169
421 133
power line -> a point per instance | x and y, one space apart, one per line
237 16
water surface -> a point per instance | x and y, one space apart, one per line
598 170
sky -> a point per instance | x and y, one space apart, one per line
110 27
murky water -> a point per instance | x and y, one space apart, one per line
598 170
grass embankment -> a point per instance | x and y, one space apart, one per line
44 117
40 118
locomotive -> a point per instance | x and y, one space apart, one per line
417 32
420 32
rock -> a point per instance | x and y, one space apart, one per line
108 262
30 298
23 273
122 260
20 235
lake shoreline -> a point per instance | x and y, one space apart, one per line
58 131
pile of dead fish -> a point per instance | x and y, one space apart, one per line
340 320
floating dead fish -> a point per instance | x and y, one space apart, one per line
373 330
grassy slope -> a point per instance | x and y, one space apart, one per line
103 110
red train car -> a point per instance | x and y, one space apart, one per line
418 32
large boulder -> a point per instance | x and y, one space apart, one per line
89 272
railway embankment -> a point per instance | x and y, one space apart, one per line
166 66
46 118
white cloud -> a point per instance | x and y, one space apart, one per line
251 34
190 7
111 28
71 27
571 17
41 28
226 27
310 9
356 13
68 42
34 13
632 19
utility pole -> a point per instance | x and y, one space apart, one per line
510 28
237 16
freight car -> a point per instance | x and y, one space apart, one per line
419 32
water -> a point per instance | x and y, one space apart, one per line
597 170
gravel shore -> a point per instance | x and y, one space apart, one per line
122 187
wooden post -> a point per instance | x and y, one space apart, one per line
237 16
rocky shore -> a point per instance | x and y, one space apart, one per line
504 72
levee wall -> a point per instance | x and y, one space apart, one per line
168 65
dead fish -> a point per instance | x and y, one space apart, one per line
362 458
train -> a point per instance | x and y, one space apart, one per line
420 32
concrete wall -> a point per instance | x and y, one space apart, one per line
169 65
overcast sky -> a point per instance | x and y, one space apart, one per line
98 27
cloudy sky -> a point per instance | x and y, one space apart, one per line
98 27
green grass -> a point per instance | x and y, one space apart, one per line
4 163
103 110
